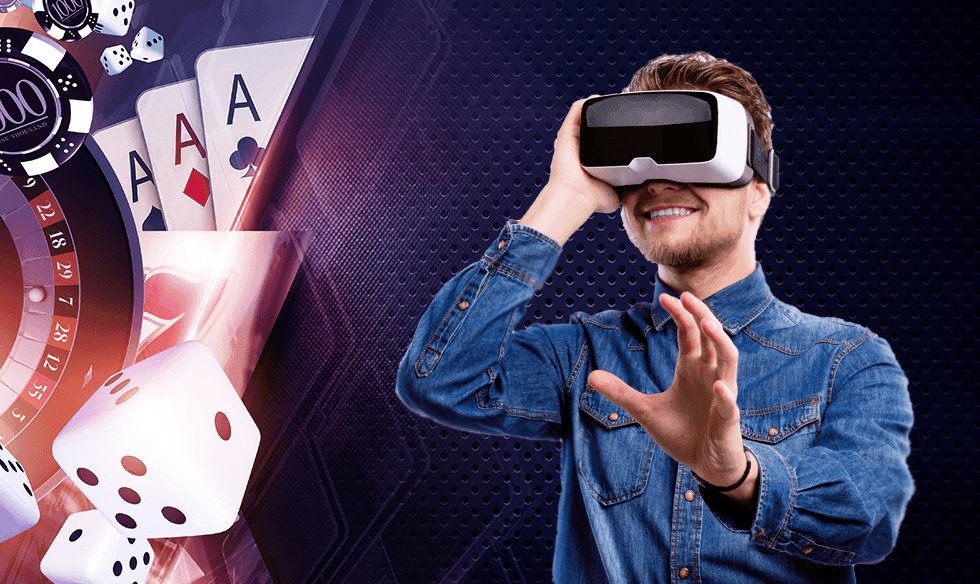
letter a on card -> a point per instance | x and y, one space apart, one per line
123 145
170 117
243 91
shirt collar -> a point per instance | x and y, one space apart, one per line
735 306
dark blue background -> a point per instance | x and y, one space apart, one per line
438 128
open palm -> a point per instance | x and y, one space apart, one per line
696 421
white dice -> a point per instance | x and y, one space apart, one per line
148 45
164 448
116 59
18 507
88 550
114 16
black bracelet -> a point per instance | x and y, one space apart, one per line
745 475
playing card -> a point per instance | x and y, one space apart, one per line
170 117
123 145
243 90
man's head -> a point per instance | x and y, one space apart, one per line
702 72
724 221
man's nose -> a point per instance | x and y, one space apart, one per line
656 186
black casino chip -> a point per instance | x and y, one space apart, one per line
66 20
9 5
45 104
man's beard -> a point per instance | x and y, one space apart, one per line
686 256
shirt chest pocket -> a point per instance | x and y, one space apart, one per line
614 450
790 427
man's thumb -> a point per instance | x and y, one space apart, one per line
617 391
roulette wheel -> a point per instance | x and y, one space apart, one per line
71 282
71 299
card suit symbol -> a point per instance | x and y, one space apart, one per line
247 156
154 221
198 187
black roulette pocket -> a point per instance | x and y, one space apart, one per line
71 299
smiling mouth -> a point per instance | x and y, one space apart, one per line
663 214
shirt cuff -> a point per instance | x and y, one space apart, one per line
769 524
522 253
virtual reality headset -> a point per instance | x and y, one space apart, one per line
697 137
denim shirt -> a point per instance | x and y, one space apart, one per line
824 408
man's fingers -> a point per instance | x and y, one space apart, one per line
708 352
688 335
574 118
618 392
571 127
706 320
725 353
725 407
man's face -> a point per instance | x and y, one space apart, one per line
715 225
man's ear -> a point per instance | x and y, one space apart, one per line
759 197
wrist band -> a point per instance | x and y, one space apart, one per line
745 475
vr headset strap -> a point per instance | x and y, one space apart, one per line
765 162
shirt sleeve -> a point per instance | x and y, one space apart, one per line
842 500
467 367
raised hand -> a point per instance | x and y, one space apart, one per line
696 421
566 167
571 195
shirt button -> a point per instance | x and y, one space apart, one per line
807 549
684 573
689 495
773 431
502 244
613 417
464 305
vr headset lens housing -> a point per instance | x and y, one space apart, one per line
678 129
681 136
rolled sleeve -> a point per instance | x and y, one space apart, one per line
842 500
523 253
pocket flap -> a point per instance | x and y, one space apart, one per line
602 410
775 423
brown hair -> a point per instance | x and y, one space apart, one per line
701 71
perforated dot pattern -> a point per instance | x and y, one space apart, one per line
439 128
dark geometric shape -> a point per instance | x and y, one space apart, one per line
223 426
86 476
174 515
129 495
154 221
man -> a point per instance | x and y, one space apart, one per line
716 434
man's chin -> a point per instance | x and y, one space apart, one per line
680 262
681 258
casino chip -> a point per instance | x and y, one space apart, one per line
66 20
9 5
45 104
